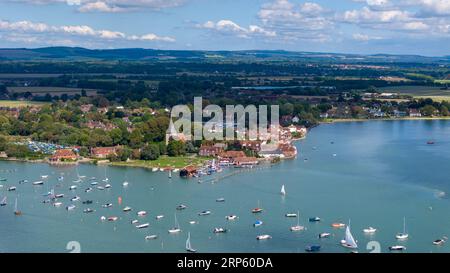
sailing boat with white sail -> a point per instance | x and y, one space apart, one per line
298 227
404 235
16 211
176 228
349 241
188 244
106 178
283 190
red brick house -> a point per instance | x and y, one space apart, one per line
104 152
63 155
210 150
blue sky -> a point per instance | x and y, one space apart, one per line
348 26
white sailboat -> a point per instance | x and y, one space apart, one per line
175 229
349 241
404 235
3 203
188 244
106 178
298 227
16 211
283 190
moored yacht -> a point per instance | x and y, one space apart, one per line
263 237
369 230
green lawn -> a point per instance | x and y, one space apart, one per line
16 103
165 161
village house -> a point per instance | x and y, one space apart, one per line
414 113
100 125
245 161
288 150
86 108
188 171
251 145
210 150
229 156
63 155
104 152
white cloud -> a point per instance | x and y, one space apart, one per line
30 30
110 5
231 28
364 37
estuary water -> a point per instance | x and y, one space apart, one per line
370 173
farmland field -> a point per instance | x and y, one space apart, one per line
435 93
16 103
38 90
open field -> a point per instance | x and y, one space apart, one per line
435 93
164 161
54 91
15 103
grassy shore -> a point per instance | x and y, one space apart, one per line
384 119
164 162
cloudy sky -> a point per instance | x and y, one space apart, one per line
348 26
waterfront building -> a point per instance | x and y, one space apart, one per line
63 155
104 152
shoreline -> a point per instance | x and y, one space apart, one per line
382 119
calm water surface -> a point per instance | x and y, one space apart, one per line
372 173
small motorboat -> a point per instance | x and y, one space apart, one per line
134 221
3 203
70 207
87 202
258 223
439 242
100 188
88 210
88 189
231 217
154 169
430 142
2 179
23 181
338 225
59 195
151 237
102 218
94 183
369 230
181 207
126 209
324 235
397 248
74 199
292 215
57 204
125 184
220 230
263 237
174 230
36 183
141 213
312 248
257 210
315 219
12 188
204 213
158 217
73 187
220 199
146 225
108 205
61 178
193 222
113 218
44 176
107 186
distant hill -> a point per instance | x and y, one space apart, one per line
78 53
